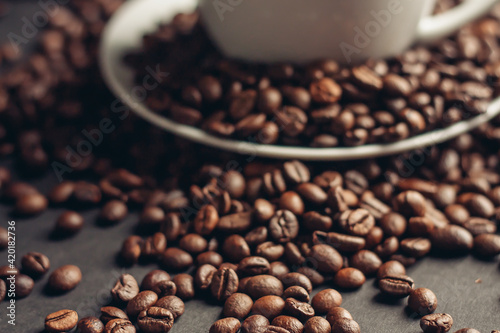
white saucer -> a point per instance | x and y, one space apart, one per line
124 33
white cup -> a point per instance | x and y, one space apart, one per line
348 31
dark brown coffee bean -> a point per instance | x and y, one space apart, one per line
61 192
171 227
411 203
487 245
61 321
420 226
152 279
35 264
90 325
109 313
291 324
275 329
325 91
317 325
269 100
301 310
254 324
326 258
270 251
345 326
296 172
477 204
397 286
242 104
387 248
345 243
173 304
131 249
235 222
291 120
349 278
152 216
393 224
404 260
268 306
297 96
357 222
155 320
238 305
69 223
193 243
235 248
113 212
185 286
396 85
452 239
125 289
119 326
224 283
436 323
209 257
337 314
291 201
23 285
283 226
165 288
4 238
154 246
65 278
204 275
326 300
226 325
374 237
31 204
278 269
141 302
86 193
477 226
422 301
296 292
176 259
415 247
391 268
366 261
297 279
253 266
206 220
264 285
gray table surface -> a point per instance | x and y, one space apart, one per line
94 250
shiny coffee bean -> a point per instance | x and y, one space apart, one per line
31 204
119 326
69 223
109 313
254 324
326 300
397 286
226 325
90 325
422 301
224 283
173 304
349 278
291 324
125 288
155 320
268 306
61 321
65 278
296 292
142 301
346 326
185 286
390 268
301 310
436 323
317 325
154 277
35 264
238 305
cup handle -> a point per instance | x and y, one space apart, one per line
435 27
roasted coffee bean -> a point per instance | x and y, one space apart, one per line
253 266
283 226
204 275
393 224
296 292
397 286
206 220
235 248
31 204
152 279
86 193
291 324
152 216
125 289
119 326
317 325
65 278
238 305
226 325
298 309
113 212
291 120
4 238
264 210
366 261
193 243
269 100
296 172
420 226
374 237
436 323
487 245
477 226
61 321
35 264
345 243
90 325
154 246
349 278
358 222
391 268
317 222
336 314
278 269
325 91
291 201
411 203
327 258
264 285
131 250
155 320
312 193
457 214
235 222
275 329
209 257
387 248
326 300
268 306
173 304
254 324
345 326
297 279
452 238
109 313
141 302
185 286
422 301
176 259
404 260
224 283
415 247
270 251
477 204
69 223
23 285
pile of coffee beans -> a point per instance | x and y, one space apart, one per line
255 235
321 104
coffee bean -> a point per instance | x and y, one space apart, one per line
109 313
238 305
366 261
269 100
264 285
204 275
235 222
396 85
436 323
154 246
119 326
325 91
69 223
477 226
253 266
296 292
487 245
165 288
236 248
358 222
155 320
4 238
477 204
90 325
452 239
326 300
125 289
173 304
349 278
224 283
345 326
185 286
327 258
131 250
296 172
141 302
226 325
65 278
254 324
298 309
61 321
35 264
283 226
420 226
391 268
268 306
317 325
275 329
23 285
31 204
397 286
206 220
337 314
422 301
193 243
86 193
176 259
264 210
291 324
415 247
113 212
151 280
209 257
15 190
291 201
393 224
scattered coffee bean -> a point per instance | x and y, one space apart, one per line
326 300
391 268
397 286
226 325
268 306
141 302
185 286
301 310
109 313
337 314
345 326
90 325
155 320
113 211
349 278
61 321
65 278
154 277
296 292
264 285
291 324
238 305
69 223
436 323
317 325
255 324
487 245
422 301
31 204
35 264
119 326
125 289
